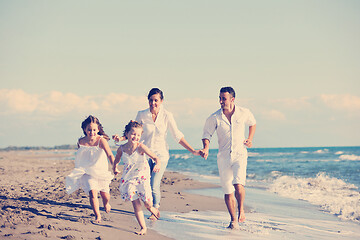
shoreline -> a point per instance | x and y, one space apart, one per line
35 204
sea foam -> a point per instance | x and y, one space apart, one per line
351 157
331 194
321 151
180 156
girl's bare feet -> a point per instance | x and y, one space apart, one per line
97 220
107 208
142 231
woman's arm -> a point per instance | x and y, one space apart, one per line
188 147
178 135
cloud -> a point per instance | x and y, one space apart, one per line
341 102
55 113
17 100
113 101
296 103
273 115
55 103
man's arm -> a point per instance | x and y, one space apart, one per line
248 141
209 129
205 151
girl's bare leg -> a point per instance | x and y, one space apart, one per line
139 216
94 202
106 199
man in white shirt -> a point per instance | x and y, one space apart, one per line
229 122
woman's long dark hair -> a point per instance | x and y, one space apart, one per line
155 91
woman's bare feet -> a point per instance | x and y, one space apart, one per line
152 217
155 213
142 231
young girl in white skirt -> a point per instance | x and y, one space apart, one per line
135 180
92 170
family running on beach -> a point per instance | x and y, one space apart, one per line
145 156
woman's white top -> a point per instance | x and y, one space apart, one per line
154 135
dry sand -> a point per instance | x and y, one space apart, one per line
35 205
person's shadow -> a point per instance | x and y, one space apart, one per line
63 216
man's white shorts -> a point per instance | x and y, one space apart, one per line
232 170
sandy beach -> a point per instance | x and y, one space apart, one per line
35 205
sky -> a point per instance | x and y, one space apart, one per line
294 64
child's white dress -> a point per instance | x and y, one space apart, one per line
92 170
135 180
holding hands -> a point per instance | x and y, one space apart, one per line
117 138
204 153
196 152
115 170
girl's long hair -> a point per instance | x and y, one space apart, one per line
92 119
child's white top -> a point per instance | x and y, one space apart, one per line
91 160
135 180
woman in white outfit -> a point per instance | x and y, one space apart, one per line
156 122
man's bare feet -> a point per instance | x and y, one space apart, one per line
107 208
242 217
142 231
233 225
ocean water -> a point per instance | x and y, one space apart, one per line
293 193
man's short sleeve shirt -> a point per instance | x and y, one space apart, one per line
231 136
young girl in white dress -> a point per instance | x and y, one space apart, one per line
92 170
135 180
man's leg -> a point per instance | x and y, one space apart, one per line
230 204
239 171
240 198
